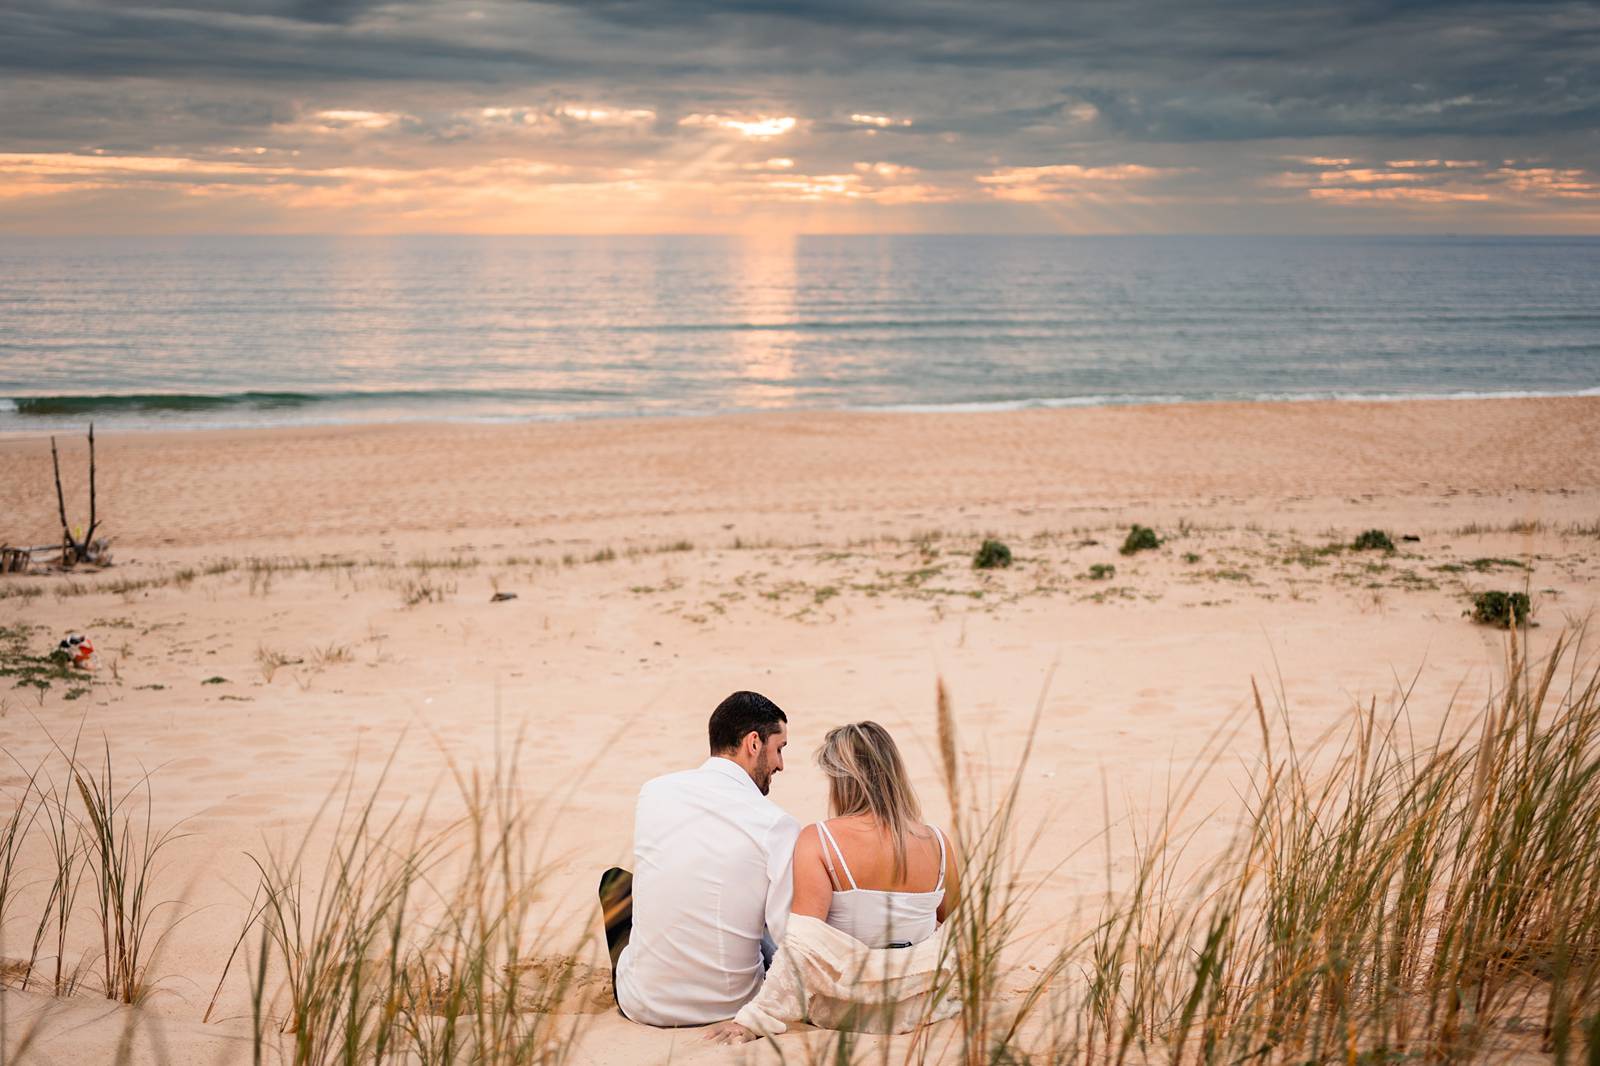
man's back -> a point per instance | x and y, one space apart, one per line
711 873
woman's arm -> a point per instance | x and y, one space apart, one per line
952 880
813 889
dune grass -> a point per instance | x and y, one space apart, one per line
413 945
1384 897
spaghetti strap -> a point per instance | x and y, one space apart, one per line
940 837
827 860
822 827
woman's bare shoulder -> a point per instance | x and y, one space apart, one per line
808 843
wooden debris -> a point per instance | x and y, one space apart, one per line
85 548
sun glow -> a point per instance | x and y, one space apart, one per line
760 127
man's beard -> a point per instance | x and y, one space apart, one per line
762 774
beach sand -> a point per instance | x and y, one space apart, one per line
291 608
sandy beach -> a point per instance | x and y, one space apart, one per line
291 608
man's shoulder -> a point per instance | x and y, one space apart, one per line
748 805
778 820
671 780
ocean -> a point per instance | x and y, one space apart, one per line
260 331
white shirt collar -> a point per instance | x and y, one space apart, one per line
729 768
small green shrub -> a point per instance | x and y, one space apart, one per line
1503 609
993 555
1373 540
1140 538
1191 557
1102 572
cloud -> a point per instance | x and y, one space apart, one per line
1236 109
879 121
761 126
601 115
1063 181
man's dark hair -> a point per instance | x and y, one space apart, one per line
741 714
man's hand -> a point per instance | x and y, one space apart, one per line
729 1033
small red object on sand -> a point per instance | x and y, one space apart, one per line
79 648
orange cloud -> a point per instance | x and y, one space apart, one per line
1064 180
1564 183
1366 177
1412 195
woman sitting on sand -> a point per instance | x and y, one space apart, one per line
872 886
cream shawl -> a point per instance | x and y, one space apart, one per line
831 979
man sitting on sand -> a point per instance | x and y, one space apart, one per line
691 931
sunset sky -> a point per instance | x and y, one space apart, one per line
755 116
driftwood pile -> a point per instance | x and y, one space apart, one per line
75 548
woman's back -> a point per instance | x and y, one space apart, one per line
872 901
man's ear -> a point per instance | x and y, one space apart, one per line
752 744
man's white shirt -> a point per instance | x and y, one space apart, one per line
712 872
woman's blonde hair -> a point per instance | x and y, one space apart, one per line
866 776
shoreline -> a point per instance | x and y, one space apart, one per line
114 402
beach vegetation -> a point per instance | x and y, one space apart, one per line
121 851
1140 539
413 945
1228 574
1313 557
1372 540
991 555
1191 557
1503 609
427 563
1519 526
1101 572
20 590
604 555
1482 566
424 589
1385 897
330 654
29 669
271 660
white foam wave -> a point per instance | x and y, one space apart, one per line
1035 403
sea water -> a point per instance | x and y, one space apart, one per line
244 331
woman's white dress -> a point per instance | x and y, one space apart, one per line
879 964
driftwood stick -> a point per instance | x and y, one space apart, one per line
88 537
61 499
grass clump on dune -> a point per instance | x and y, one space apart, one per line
992 555
1140 539
414 945
1503 609
1373 540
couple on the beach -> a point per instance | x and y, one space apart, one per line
733 914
